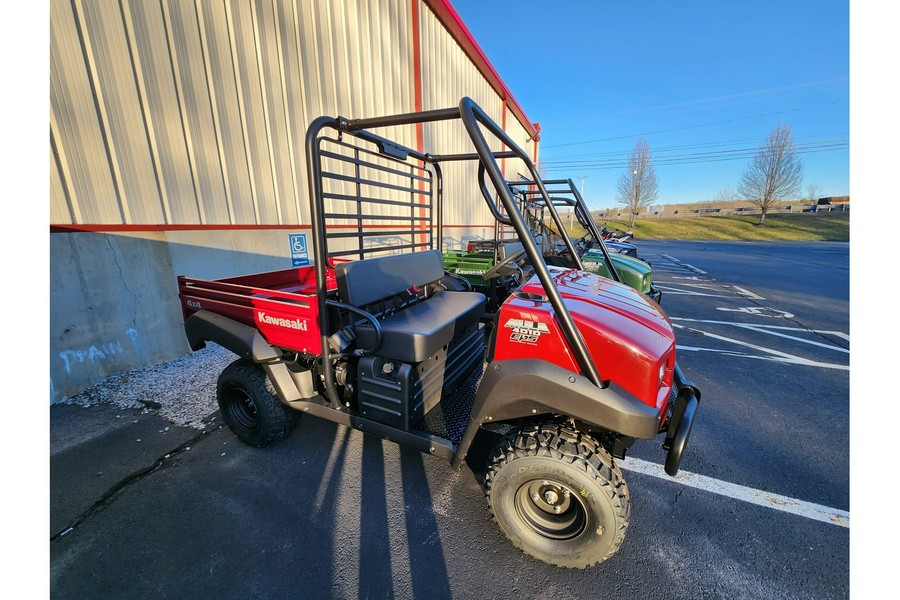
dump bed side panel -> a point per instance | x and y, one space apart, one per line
280 304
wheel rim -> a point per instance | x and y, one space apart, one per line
241 409
551 509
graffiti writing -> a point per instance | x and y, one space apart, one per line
100 351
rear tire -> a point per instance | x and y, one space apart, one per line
250 407
558 496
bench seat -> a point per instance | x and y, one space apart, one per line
418 332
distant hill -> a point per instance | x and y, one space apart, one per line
826 226
711 207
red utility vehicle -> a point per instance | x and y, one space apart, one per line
563 378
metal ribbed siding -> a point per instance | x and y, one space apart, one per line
195 112
448 75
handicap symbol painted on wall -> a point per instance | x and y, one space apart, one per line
299 250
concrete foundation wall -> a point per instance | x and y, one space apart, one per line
115 295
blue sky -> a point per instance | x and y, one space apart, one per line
703 82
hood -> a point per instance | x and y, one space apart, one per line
628 335
620 261
619 246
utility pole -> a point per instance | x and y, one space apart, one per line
583 177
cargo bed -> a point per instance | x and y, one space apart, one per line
281 304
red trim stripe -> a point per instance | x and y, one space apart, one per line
160 228
146 228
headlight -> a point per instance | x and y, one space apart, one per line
645 283
662 373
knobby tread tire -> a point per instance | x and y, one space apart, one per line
274 421
597 472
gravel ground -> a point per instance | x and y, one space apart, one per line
182 391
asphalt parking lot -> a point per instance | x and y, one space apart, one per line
760 509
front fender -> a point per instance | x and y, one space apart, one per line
512 389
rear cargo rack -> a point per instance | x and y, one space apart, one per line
562 193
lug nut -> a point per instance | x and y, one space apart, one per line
536 498
557 509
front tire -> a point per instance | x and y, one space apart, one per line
250 407
558 496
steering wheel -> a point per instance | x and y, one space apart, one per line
502 268
582 244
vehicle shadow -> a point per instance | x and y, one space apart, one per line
382 507
375 573
427 565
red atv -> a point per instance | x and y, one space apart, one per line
567 374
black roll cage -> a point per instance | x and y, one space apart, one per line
473 119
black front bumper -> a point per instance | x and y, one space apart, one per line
681 420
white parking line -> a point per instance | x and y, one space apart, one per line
694 269
817 512
770 330
683 292
796 360
773 355
683 264
759 311
747 293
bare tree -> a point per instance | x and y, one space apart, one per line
638 188
728 194
776 172
813 191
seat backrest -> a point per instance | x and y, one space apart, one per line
362 282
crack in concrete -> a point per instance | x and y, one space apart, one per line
109 496
125 283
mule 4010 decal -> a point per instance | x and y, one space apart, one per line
526 332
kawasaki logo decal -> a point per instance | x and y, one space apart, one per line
299 324
526 332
